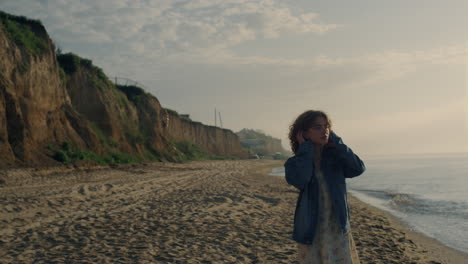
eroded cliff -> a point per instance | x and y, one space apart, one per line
34 107
50 105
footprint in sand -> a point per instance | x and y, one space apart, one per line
83 190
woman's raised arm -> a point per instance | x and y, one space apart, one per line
299 168
353 165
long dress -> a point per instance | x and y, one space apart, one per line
330 245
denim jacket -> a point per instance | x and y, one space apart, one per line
337 163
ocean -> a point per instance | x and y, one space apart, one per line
427 192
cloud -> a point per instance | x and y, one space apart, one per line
169 28
131 33
391 65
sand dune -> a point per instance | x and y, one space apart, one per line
197 212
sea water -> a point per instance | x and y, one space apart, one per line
428 192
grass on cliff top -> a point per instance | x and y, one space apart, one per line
22 31
254 134
71 62
133 93
19 19
173 112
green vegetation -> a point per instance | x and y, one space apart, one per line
171 111
23 32
186 118
186 150
20 19
254 134
133 93
67 153
153 154
62 74
71 62
134 136
102 137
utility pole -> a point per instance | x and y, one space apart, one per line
215 117
220 120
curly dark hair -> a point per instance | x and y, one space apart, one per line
304 121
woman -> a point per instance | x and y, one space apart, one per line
318 169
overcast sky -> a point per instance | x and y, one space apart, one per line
392 75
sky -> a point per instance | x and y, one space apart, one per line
391 75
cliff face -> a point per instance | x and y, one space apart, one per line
106 108
45 103
135 120
207 137
34 107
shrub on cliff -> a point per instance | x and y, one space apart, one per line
71 62
171 111
68 62
132 92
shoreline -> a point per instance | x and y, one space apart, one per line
430 248
416 245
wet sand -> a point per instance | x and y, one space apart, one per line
197 212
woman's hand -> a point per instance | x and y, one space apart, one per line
300 137
331 143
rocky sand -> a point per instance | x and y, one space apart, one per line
197 212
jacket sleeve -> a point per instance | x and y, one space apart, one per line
353 165
299 168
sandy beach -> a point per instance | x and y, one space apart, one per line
198 212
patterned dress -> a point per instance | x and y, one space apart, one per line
330 245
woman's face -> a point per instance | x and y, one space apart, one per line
318 132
